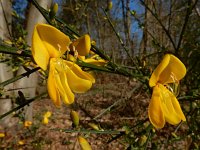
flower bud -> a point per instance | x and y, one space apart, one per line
109 7
133 12
75 118
27 124
53 11
2 135
142 140
45 120
93 126
47 114
21 142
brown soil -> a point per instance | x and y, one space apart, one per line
128 102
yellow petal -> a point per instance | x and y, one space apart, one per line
27 123
84 143
21 142
71 58
170 70
99 62
82 45
174 71
2 135
177 108
45 120
81 57
47 114
52 87
79 72
77 84
159 69
39 51
48 42
67 96
167 106
155 113
60 80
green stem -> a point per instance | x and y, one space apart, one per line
89 131
13 51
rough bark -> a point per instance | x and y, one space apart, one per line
29 84
5 70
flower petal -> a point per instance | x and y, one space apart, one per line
155 113
39 51
79 72
67 96
177 108
77 84
174 71
170 70
82 45
155 77
52 88
167 106
84 143
100 62
48 42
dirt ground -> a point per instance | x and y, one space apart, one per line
116 103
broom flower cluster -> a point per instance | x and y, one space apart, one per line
49 49
164 106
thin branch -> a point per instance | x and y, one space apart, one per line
118 36
189 11
117 102
149 33
170 15
161 24
88 131
13 51
197 11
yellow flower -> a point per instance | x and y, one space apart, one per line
2 135
45 120
65 77
46 117
21 142
82 45
27 123
48 46
84 143
95 60
47 114
164 107
48 42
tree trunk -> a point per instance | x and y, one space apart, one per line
29 84
5 70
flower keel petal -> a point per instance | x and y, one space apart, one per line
155 113
52 88
167 107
